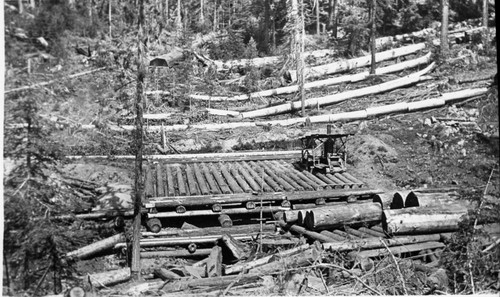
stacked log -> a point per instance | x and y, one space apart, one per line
414 220
329 217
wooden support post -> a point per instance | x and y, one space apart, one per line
214 262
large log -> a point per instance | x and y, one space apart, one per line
96 247
314 84
396 250
184 241
372 243
212 282
335 216
350 64
336 98
236 268
108 278
235 230
415 199
437 218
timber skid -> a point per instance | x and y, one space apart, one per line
248 186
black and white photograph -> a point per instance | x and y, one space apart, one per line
250 148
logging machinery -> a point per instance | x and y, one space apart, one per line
325 153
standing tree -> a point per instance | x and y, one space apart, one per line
139 179
332 17
444 27
318 29
485 25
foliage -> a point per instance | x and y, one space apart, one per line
411 20
230 47
357 33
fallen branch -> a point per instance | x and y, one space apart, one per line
53 81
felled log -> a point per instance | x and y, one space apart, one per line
176 253
292 216
427 199
169 59
329 217
96 247
236 268
154 225
304 231
225 221
108 278
234 230
314 84
236 249
53 81
336 98
384 199
350 64
212 282
184 241
398 200
374 242
332 235
396 250
214 262
303 258
437 218
166 274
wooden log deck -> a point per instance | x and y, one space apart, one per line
188 186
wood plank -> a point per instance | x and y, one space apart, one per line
170 181
260 174
245 197
181 186
160 184
248 177
193 186
286 186
239 179
200 180
149 187
373 242
220 180
230 179
214 188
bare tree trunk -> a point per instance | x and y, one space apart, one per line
444 27
485 25
178 18
139 179
372 37
301 66
32 4
215 17
332 17
202 7
267 24
20 6
318 30
109 18
167 10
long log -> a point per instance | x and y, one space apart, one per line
221 281
176 253
372 243
108 278
336 98
303 258
314 84
96 247
185 241
345 65
227 211
242 229
329 217
437 218
245 197
236 268
396 250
